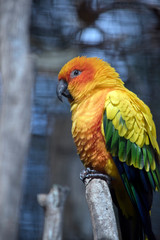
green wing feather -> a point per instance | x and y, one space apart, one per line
129 136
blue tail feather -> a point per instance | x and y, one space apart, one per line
141 191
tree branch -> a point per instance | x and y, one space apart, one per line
53 203
101 210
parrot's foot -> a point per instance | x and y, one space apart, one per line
90 173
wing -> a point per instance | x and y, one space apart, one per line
130 133
130 136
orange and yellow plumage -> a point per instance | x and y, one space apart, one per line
114 132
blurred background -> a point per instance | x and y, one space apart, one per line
124 33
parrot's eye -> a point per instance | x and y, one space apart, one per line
75 73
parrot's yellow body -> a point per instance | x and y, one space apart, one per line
115 134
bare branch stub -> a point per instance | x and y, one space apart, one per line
53 203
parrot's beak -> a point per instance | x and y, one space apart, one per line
62 89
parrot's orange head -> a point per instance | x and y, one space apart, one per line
82 76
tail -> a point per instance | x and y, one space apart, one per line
133 229
140 192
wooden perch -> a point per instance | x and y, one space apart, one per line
101 210
53 204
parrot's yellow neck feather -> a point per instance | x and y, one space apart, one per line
83 92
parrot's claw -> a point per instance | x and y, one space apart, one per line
91 173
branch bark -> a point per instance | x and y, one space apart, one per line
16 76
53 203
101 210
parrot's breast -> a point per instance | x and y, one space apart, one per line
86 129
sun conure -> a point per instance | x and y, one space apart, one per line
115 134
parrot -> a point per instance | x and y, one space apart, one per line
115 135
